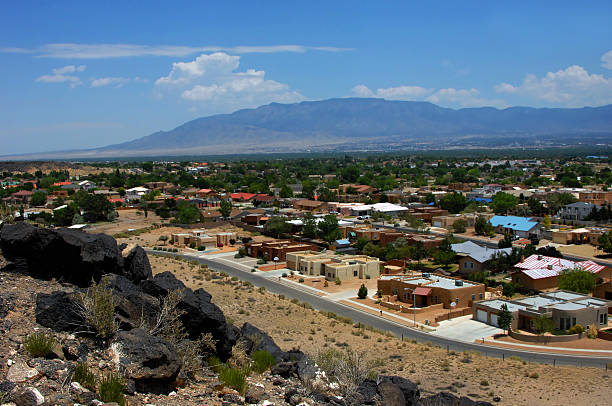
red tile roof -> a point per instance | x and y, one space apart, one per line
242 196
422 291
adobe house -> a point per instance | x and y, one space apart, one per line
276 249
332 265
473 257
430 289
309 205
565 308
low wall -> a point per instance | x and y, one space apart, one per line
605 334
544 339
456 313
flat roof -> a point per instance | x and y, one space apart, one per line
537 301
433 281
568 306
497 304
592 302
563 295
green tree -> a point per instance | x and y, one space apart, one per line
505 242
225 208
577 280
64 217
546 222
482 226
504 318
187 213
453 202
362 293
444 257
328 228
285 192
276 226
309 229
543 324
95 207
38 199
503 202
605 242
361 243
459 226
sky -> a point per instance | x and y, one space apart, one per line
87 74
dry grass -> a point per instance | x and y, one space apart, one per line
292 325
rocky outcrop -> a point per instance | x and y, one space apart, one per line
151 362
200 314
69 255
136 266
448 399
59 311
255 339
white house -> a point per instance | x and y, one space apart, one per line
136 193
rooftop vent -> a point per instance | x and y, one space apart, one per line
549 266
458 282
426 275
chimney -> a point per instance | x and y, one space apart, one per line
549 266
539 257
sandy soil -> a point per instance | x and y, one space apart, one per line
292 325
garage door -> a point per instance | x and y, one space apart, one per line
494 320
481 315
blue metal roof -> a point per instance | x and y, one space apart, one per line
513 222
343 242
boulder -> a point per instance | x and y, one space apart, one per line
257 340
448 399
136 266
132 305
59 311
200 314
255 394
391 394
368 389
19 372
150 361
409 389
65 254
28 397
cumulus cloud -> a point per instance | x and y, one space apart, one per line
606 60
110 81
212 80
393 93
573 86
104 51
64 74
446 97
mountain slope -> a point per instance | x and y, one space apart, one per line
341 120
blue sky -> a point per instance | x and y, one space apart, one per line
77 74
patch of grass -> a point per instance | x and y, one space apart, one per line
534 375
262 360
484 382
39 344
234 378
215 363
84 376
112 389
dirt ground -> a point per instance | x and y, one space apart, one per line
292 325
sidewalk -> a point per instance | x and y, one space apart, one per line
542 348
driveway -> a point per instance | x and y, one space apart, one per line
465 329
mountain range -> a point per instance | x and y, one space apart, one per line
368 124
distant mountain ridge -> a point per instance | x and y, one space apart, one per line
336 120
368 124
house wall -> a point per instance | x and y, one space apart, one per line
438 295
535 284
468 265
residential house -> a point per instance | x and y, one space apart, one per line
522 227
597 197
333 266
576 211
473 257
136 193
565 308
539 272
431 289
242 197
309 205
276 249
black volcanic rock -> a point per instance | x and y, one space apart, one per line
200 314
59 311
69 255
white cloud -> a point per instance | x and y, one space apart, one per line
60 75
393 93
445 97
101 51
110 81
573 87
606 60
211 80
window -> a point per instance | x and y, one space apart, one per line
354 273
480 296
473 296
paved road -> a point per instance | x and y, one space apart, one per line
398 330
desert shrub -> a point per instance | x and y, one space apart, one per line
348 368
592 331
112 389
253 270
576 329
484 382
284 275
262 360
84 376
338 281
234 378
261 261
534 375
214 363
3 398
39 344
97 307
325 284
201 248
